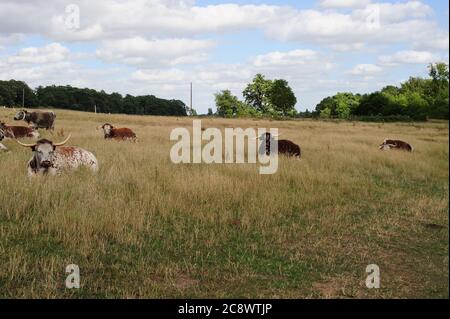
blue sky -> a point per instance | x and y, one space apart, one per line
159 46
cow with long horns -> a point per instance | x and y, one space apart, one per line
389 144
37 119
18 131
120 134
53 158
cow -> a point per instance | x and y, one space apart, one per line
53 158
18 131
37 119
121 134
389 144
285 147
2 136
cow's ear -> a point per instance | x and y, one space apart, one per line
33 148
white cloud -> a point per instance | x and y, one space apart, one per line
296 57
53 52
343 3
403 22
366 70
138 51
409 57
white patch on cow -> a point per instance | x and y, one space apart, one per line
3 147
35 135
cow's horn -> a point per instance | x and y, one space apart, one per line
64 142
26 145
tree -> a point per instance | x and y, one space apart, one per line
325 113
440 90
281 97
341 105
346 104
255 94
439 72
227 104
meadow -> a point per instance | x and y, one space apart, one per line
143 227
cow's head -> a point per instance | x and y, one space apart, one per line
386 145
20 115
2 126
107 128
44 151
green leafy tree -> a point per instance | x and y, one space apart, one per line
256 93
227 104
325 113
281 97
440 90
345 104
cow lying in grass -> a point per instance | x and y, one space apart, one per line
2 136
285 147
52 158
120 134
390 144
18 131
37 119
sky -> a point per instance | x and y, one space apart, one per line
158 47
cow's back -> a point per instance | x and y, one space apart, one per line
69 157
123 134
288 148
43 119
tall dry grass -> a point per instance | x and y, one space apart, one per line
144 227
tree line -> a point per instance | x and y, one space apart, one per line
14 93
416 99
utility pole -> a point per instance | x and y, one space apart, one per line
191 100
95 108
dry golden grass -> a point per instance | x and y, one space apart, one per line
146 228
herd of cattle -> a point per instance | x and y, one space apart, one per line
52 158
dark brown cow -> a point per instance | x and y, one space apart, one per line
18 131
396 145
285 147
37 119
121 134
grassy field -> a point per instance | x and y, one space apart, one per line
146 228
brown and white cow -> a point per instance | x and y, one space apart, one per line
389 144
18 131
53 158
37 119
121 134
2 136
